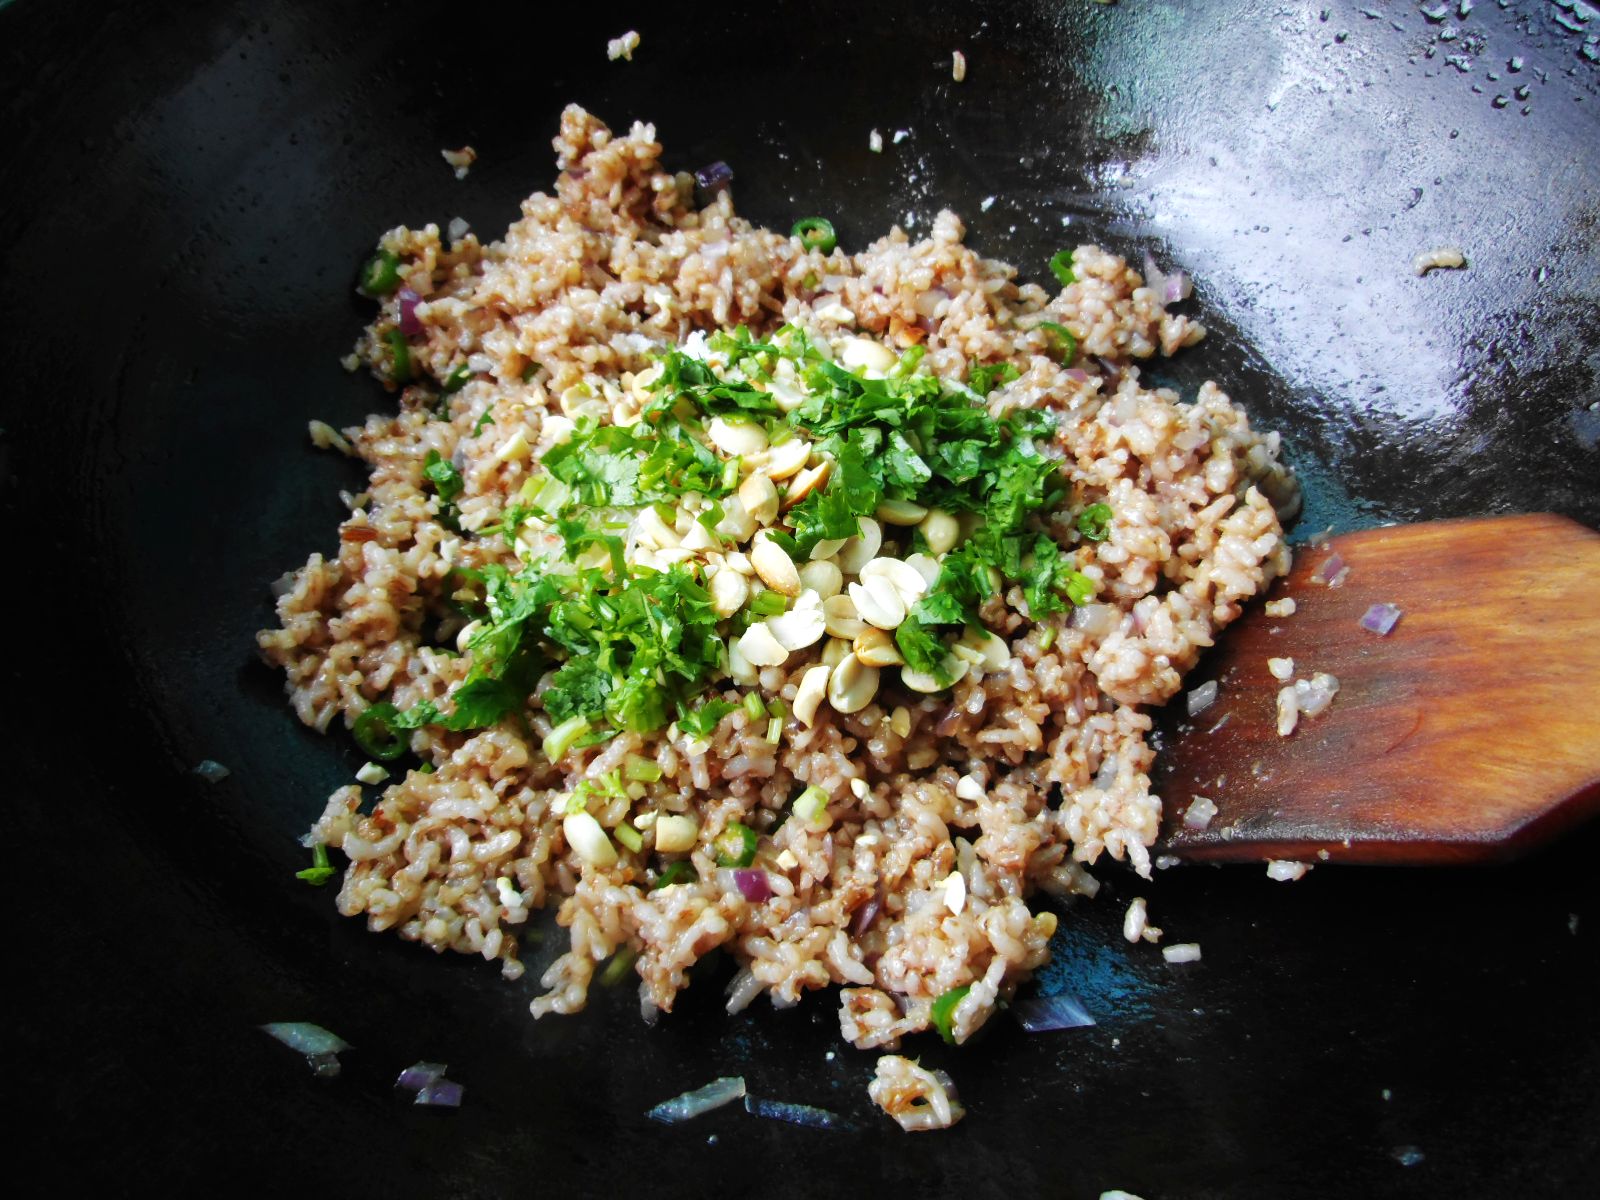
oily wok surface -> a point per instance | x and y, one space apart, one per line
190 190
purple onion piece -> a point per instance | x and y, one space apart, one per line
419 1075
441 1093
753 884
1330 569
1041 1014
1178 287
714 177
1380 619
409 325
796 1114
861 920
1076 374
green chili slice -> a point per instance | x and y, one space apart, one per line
381 275
681 871
943 1012
815 233
1069 344
735 846
375 733
400 362
1061 266
457 379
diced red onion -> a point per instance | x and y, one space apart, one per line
702 1100
861 920
1179 287
1380 619
1332 568
441 1093
1201 812
409 324
1096 620
1076 374
753 884
714 176
419 1075
1041 1014
796 1114
1202 698
211 770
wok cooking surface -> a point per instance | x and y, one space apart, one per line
192 189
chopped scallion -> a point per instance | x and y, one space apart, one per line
457 379
640 769
563 735
774 731
811 806
753 706
815 233
681 871
617 969
629 837
766 603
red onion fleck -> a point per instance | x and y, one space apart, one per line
714 177
1041 1014
753 884
861 920
409 325
1332 568
1076 374
419 1075
1178 287
1380 619
441 1093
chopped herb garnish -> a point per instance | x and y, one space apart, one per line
486 417
641 770
457 379
1061 267
380 276
735 846
983 378
617 969
753 707
943 1011
320 870
703 721
629 837
815 233
1094 522
1064 337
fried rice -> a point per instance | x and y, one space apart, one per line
947 813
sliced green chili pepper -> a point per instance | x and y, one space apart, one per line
1061 265
457 379
375 734
943 1012
400 370
735 846
681 871
381 275
815 233
1069 344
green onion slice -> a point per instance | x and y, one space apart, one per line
735 846
629 837
943 1012
815 233
457 379
617 969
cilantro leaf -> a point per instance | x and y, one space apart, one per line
703 721
1094 522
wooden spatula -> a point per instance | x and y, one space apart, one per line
1471 731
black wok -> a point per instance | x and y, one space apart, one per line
188 191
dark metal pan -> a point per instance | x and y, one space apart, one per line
189 188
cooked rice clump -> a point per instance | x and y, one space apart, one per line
618 265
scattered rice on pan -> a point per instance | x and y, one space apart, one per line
885 839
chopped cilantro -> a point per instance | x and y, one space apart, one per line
486 417
1094 522
983 378
703 721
